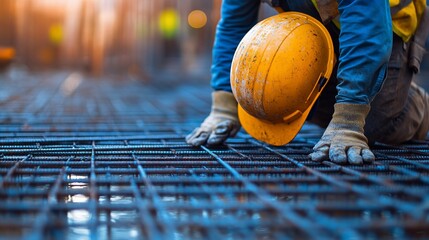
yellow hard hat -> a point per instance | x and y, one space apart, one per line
278 71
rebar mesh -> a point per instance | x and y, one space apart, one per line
108 161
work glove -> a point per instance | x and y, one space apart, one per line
220 124
343 140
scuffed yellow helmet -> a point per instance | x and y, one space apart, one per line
279 70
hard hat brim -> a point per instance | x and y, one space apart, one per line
276 134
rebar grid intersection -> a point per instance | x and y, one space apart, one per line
112 164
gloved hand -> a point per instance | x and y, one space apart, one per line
343 140
220 124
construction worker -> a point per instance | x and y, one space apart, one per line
370 96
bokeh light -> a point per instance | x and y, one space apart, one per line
197 19
6 53
168 23
109 36
56 34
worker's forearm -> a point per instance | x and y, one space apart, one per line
237 17
365 47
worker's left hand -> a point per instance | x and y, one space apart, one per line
344 140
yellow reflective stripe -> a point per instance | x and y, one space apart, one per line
404 22
393 3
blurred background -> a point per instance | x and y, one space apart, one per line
145 40
141 39
99 37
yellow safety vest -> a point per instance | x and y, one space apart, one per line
405 20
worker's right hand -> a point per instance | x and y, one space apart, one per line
343 140
220 124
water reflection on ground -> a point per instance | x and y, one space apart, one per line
80 219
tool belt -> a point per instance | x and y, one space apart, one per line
417 44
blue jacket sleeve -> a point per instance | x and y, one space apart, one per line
237 17
365 47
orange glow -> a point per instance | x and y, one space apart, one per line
97 36
7 53
197 19
50 5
